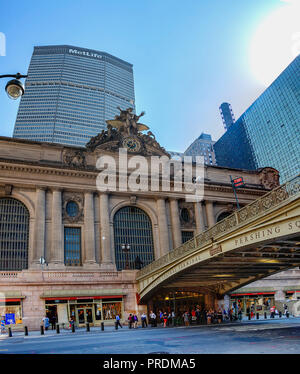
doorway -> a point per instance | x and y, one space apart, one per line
85 315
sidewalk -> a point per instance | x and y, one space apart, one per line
111 328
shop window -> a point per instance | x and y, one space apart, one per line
11 311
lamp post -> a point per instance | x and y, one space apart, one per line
14 88
126 249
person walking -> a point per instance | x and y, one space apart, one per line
118 320
46 322
186 318
144 320
165 319
130 320
152 319
53 321
135 321
161 317
3 330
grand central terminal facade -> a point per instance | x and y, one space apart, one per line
71 250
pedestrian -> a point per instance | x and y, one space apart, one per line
53 321
71 323
3 330
219 315
135 321
165 319
118 320
240 314
152 319
186 318
144 320
209 316
130 320
161 317
46 322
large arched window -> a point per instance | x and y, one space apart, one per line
14 234
133 226
223 216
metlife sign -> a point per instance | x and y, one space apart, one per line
84 53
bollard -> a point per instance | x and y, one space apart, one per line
25 330
129 325
173 322
57 328
102 326
265 314
257 315
42 330
73 327
116 325
9 332
87 327
249 317
280 314
287 314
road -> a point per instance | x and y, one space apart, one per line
255 337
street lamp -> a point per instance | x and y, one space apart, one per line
14 88
126 249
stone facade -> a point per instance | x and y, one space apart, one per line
45 177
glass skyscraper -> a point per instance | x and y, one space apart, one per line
268 132
227 115
70 92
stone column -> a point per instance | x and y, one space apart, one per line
199 216
163 227
210 213
89 230
106 252
39 226
177 240
57 237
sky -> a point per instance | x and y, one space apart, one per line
188 56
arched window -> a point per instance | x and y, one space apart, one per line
14 234
223 215
133 226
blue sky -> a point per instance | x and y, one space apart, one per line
188 56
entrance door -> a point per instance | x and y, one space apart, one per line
85 315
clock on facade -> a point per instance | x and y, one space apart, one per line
131 144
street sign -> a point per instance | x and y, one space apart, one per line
238 182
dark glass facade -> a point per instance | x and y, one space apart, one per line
268 132
70 92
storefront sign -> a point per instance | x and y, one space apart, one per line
10 319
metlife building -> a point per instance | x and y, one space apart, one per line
70 92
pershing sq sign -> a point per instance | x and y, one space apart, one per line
84 53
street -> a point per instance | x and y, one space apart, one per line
254 337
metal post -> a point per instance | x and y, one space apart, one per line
87 327
9 332
102 326
25 330
42 330
257 315
249 317
265 314
235 194
73 327
57 328
280 314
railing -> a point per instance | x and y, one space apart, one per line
240 217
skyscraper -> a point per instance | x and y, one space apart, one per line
268 132
227 115
202 146
70 92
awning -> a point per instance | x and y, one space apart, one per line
82 294
252 294
11 296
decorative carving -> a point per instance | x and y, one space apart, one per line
125 132
269 178
186 214
74 158
133 200
8 189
